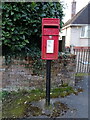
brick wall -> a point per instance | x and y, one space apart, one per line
17 76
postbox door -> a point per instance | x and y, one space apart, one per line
50 47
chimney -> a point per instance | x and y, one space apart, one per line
73 9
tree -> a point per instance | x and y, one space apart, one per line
21 23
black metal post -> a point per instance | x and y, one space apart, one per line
48 78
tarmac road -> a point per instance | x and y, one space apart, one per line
78 103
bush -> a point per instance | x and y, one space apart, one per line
21 24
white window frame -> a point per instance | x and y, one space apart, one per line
88 31
85 32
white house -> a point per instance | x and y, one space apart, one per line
77 30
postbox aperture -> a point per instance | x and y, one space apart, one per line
50 36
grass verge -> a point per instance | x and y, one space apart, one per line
15 104
81 74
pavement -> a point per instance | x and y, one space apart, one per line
78 104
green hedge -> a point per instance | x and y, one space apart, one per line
21 24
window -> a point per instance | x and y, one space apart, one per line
85 32
89 31
82 31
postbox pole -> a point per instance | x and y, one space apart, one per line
48 81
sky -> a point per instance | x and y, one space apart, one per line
67 4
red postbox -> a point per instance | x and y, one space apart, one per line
50 36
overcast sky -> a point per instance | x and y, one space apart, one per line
79 5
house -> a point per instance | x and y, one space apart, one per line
76 31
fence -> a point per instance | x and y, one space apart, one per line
83 60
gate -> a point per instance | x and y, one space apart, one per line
83 60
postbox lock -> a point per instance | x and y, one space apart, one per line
50 37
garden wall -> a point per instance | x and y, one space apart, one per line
20 74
